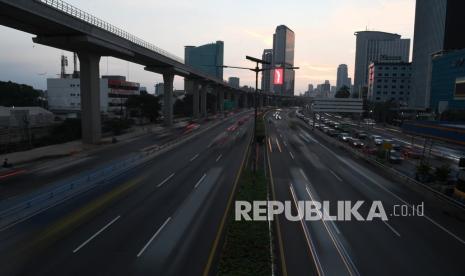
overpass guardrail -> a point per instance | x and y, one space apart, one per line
93 20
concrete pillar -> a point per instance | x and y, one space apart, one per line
90 97
168 98
221 99
215 105
235 95
203 101
195 100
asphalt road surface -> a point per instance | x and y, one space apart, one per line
305 167
160 219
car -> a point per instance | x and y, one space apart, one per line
395 157
377 140
356 143
344 137
412 152
371 150
361 135
333 133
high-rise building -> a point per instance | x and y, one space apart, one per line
283 56
267 74
439 26
448 81
372 46
390 81
207 58
342 76
159 89
310 88
326 89
234 82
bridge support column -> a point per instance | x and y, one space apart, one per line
235 99
90 97
203 101
215 96
221 99
195 100
168 79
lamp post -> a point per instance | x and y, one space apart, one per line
257 70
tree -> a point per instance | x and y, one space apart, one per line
13 94
343 92
184 107
385 111
144 105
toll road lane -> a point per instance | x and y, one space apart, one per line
397 246
106 248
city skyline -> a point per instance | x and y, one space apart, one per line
322 42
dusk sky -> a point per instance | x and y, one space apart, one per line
324 33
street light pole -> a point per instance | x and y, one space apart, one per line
256 94
255 118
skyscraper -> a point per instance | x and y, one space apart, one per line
234 82
208 58
267 74
342 77
377 46
283 56
439 26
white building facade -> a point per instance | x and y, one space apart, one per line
390 81
64 95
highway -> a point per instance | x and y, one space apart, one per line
441 149
305 167
159 219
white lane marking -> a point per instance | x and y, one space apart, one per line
96 234
304 175
200 181
153 237
335 175
292 155
219 157
346 259
392 228
269 144
279 147
166 180
310 244
193 158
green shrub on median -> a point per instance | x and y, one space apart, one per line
247 243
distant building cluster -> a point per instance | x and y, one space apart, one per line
432 81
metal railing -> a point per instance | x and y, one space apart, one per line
84 16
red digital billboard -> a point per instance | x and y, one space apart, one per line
278 76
